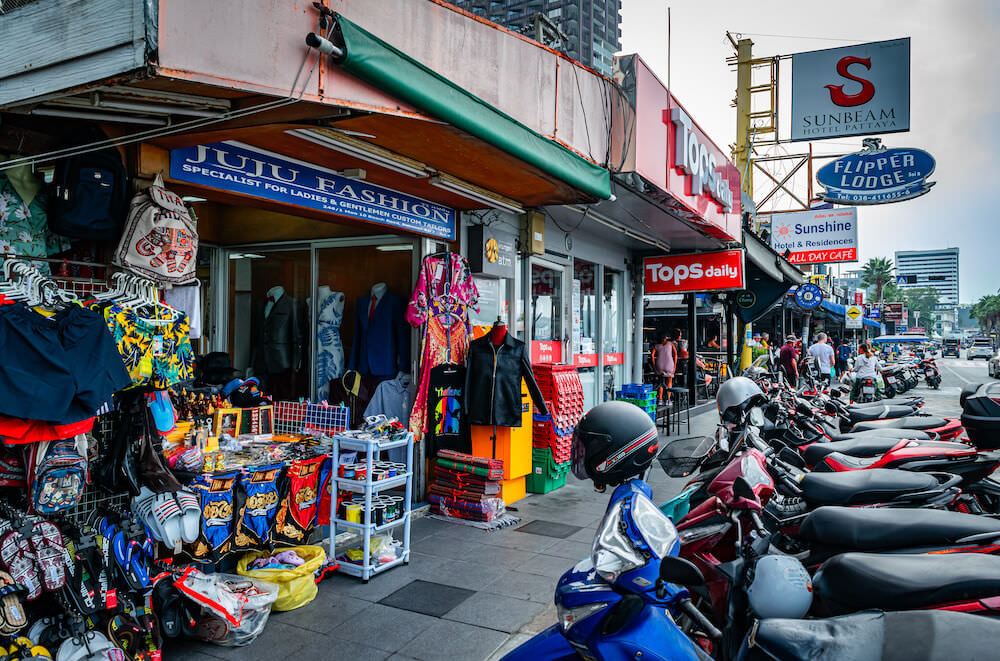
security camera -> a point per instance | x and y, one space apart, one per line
323 45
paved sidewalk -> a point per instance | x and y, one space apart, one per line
466 594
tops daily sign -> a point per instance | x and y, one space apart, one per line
695 159
877 175
695 272
239 168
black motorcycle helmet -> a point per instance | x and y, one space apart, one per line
613 443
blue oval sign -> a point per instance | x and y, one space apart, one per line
877 176
808 296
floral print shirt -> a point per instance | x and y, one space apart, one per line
24 229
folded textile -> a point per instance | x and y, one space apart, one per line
483 511
489 488
472 469
462 457
443 473
459 495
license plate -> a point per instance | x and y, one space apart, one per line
929 373
891 379
868 390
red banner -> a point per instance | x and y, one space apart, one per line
585 359
614 359
543 351
696 272
820 256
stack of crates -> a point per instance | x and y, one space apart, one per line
552 434
642 395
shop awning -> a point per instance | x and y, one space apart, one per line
380 64
769 275
839 311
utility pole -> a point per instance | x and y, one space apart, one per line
742 148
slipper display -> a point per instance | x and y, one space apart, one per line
191 517
12 617
86 586
19 560
91 646
53 560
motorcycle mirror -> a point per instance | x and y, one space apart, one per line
803 409
831 408
756 416
680 572
790 456
742 489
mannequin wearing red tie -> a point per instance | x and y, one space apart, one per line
381 343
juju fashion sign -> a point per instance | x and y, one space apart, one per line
853 90
239 168
700 272
816 236
877 175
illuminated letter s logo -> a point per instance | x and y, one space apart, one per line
867 89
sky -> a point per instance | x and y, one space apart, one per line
954 102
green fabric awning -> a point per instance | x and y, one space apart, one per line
382 65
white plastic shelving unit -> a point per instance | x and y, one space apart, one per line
368 487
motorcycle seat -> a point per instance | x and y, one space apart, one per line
879 413
877 636
871 446
898 434
855 581
920 422
912 404
863 487
877 529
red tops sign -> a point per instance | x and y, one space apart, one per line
675 154
701 272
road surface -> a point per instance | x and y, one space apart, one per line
956 373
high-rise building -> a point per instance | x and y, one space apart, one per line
590 31
930 268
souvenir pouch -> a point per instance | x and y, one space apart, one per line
58 476
295 517
325 497
216 494
259 503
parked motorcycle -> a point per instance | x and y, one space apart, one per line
932 377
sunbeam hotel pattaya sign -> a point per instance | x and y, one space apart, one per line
816 236
853 90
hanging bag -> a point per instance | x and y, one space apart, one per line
160 241
90 196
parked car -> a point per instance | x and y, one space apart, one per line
994 366
981 348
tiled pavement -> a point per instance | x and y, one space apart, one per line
480 594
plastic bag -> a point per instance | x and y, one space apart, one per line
234 608
296 587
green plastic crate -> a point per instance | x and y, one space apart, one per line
545 475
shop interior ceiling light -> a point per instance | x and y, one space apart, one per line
360 149
475 193
394 247
98 116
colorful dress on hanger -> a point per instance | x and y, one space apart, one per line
441 300
330 351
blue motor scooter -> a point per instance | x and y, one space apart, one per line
618 603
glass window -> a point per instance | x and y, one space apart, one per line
494 301
613 345
546 303
271 290
585 308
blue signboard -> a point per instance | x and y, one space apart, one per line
877 176
808 296
238 168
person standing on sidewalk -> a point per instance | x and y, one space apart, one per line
664 364
822 353
788 358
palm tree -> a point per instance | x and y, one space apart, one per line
877 272
987 311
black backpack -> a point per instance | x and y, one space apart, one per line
90 197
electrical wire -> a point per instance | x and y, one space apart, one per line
150 134
796 36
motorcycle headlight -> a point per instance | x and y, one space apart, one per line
614 553
570 616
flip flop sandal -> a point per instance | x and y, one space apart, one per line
20 562
122 550
191 518
84 590
137 563
151 643
12 617
47 543
126 633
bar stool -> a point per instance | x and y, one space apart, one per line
681 405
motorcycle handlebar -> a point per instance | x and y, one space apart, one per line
689 608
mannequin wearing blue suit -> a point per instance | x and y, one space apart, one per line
381 345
